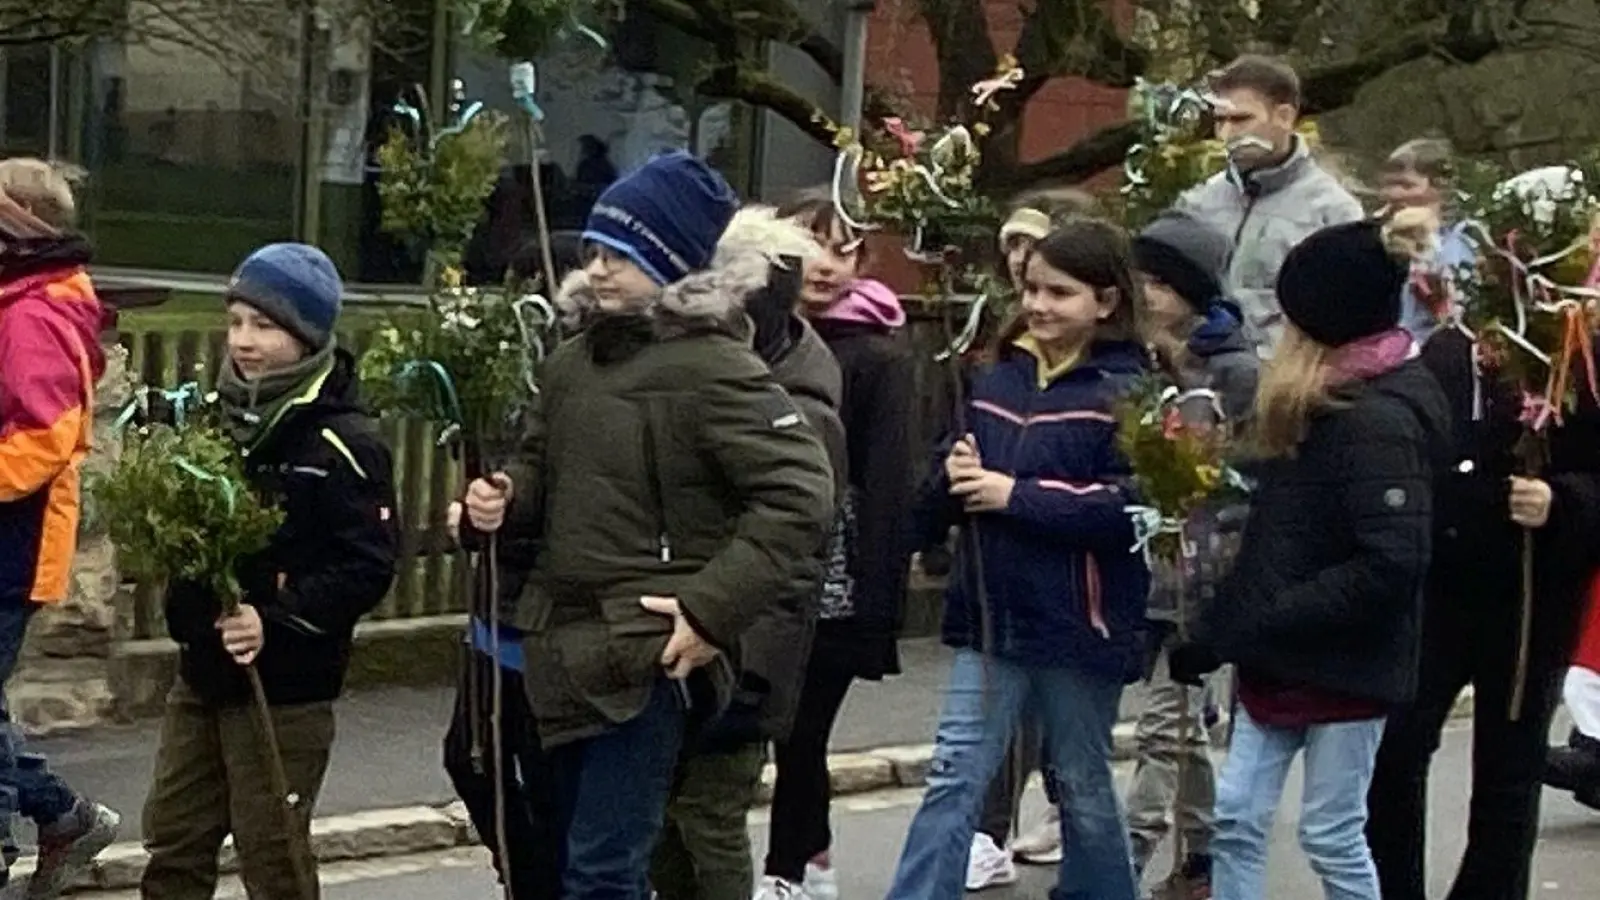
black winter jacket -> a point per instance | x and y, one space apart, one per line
1326 591
879 400
331 562
1477 557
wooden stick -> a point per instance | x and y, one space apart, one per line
1519 677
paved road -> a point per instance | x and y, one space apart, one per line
869 830
388 750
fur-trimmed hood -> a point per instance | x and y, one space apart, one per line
712 299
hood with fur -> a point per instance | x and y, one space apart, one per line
711 299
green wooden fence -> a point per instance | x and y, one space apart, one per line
432 581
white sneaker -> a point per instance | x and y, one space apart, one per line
987 865
1041 845
821 883
773 888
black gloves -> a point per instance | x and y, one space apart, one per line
1189 662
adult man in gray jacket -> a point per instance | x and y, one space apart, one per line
1273 194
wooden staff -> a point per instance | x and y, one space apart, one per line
277 775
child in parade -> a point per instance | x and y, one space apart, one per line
1197 339
704 852
533 867
1323 608
1053 632
990 862
288 399
864 585
1421 173
1472 628
50 322
675 491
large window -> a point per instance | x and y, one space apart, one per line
199 149
191 164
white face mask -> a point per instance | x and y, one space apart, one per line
1247 150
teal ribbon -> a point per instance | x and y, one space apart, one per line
455 415
230 492
1148 524
181 397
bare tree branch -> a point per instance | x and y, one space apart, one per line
1325 88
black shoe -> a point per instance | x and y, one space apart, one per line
1575 767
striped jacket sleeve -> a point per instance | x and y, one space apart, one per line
42 399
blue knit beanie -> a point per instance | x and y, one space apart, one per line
666 216
294 285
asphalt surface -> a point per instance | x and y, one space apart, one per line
868 832
387 753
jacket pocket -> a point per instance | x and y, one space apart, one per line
1094 599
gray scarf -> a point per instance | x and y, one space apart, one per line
252 406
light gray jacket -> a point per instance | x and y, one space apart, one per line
1266 213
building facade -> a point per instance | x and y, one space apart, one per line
195 156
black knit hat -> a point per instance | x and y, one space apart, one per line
1186 255
1342 284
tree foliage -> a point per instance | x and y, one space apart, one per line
1339 45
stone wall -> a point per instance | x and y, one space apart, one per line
64 678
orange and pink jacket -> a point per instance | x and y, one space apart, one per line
50 360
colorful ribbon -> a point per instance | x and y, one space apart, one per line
179 397
455 416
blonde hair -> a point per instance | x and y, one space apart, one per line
1298 382
43 188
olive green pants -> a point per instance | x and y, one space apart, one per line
704 849
213 779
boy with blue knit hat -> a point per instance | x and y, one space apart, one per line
673 489
287 395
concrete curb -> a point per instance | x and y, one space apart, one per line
409 830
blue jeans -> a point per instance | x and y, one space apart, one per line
613 791
986 700
1339 760
26 785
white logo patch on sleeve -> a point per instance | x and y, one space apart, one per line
787 421
1394 498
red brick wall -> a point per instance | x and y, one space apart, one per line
900 58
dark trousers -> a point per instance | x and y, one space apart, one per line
803 792
1005 792
212 779
534 838
704 850
27 786
1473 643
612 793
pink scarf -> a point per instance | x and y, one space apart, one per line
868 302
1371 356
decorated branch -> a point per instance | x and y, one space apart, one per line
434 179
176 503
921 182
1178 464
466 361
1530 304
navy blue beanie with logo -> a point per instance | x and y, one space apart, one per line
666 216
295 285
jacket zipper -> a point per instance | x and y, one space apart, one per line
657 496
1094 605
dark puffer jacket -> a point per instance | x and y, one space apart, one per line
663 460
1326 591
1064 587
1477 568
331 562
